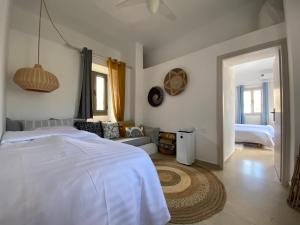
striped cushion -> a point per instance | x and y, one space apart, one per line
33 124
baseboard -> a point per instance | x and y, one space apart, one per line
228 157
208 165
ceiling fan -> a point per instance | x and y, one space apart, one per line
154 6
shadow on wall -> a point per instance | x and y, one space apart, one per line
271 13
207 145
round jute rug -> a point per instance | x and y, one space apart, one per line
193 193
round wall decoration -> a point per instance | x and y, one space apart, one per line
175 81
155 96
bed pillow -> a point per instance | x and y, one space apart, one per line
33 124
111 130
134 132
92 127
123 125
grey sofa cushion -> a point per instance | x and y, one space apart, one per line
153 133
33 124
13 125
137 141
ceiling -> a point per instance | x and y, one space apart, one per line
250 72
100 19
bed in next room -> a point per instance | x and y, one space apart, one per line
60 175
255 134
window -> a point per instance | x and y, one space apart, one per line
252 101
99 93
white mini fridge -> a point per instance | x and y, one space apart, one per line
185 145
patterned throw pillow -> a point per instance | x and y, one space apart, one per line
123 125
93 127
111 130
134 132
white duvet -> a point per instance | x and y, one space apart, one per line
63 176
259 134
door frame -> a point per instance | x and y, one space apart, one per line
285 103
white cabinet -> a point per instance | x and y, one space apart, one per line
185 145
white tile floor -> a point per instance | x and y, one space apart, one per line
254 195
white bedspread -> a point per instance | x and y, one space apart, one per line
68 177
259 134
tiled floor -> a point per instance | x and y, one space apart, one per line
254 195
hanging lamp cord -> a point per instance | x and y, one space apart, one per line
43 2
40 23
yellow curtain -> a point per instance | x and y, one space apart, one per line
117 72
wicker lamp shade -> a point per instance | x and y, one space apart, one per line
36 79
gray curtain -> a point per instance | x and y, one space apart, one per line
86 104
240 116
265 110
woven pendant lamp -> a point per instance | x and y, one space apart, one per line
36 78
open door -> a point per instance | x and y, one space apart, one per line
277 115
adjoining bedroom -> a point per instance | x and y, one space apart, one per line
149 112
252 90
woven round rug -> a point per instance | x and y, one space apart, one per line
192 193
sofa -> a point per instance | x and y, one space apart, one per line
149 142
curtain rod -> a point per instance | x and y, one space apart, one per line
94 54
104 57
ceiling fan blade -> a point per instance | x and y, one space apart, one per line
166 11
128 3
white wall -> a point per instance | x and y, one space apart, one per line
292 14
271 13
56 58
197 106
4 17
229 96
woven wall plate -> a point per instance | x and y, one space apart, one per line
155 96
175 81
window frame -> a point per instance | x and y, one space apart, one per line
94 94
252 90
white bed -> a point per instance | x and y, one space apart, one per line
258 134
62 176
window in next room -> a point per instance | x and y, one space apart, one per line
253 101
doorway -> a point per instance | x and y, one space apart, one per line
253 102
